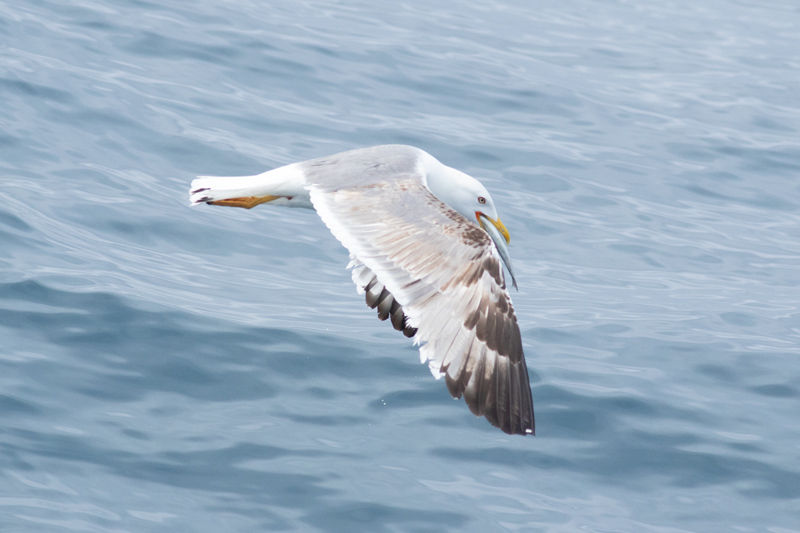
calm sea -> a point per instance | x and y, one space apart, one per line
167 369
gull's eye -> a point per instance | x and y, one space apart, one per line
481 200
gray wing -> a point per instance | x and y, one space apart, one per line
434 268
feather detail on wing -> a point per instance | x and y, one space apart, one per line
378 297
415 255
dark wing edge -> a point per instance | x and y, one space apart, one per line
442 275
494 386
484 361
377 296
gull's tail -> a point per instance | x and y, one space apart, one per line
285 183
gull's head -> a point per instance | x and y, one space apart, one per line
467 196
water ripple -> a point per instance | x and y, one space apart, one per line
167 368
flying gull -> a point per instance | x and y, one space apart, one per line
427 248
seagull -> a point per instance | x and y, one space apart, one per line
427 248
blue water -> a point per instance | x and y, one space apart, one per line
172 369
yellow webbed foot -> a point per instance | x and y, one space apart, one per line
247 202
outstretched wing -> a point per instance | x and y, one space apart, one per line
442 269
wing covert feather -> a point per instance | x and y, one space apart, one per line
441 275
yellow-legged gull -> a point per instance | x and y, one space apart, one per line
427 248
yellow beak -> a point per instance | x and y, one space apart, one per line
497 224
501 228
498 233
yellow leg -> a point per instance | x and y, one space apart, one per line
248 202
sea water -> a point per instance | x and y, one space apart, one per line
167 368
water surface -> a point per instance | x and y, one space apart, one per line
172 369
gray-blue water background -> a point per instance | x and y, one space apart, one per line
172 369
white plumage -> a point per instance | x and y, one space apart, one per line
427 250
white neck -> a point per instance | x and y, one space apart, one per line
449 185
444 182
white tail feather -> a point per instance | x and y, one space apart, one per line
285 181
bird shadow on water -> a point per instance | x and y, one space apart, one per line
107 354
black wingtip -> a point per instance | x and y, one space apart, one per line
508 402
